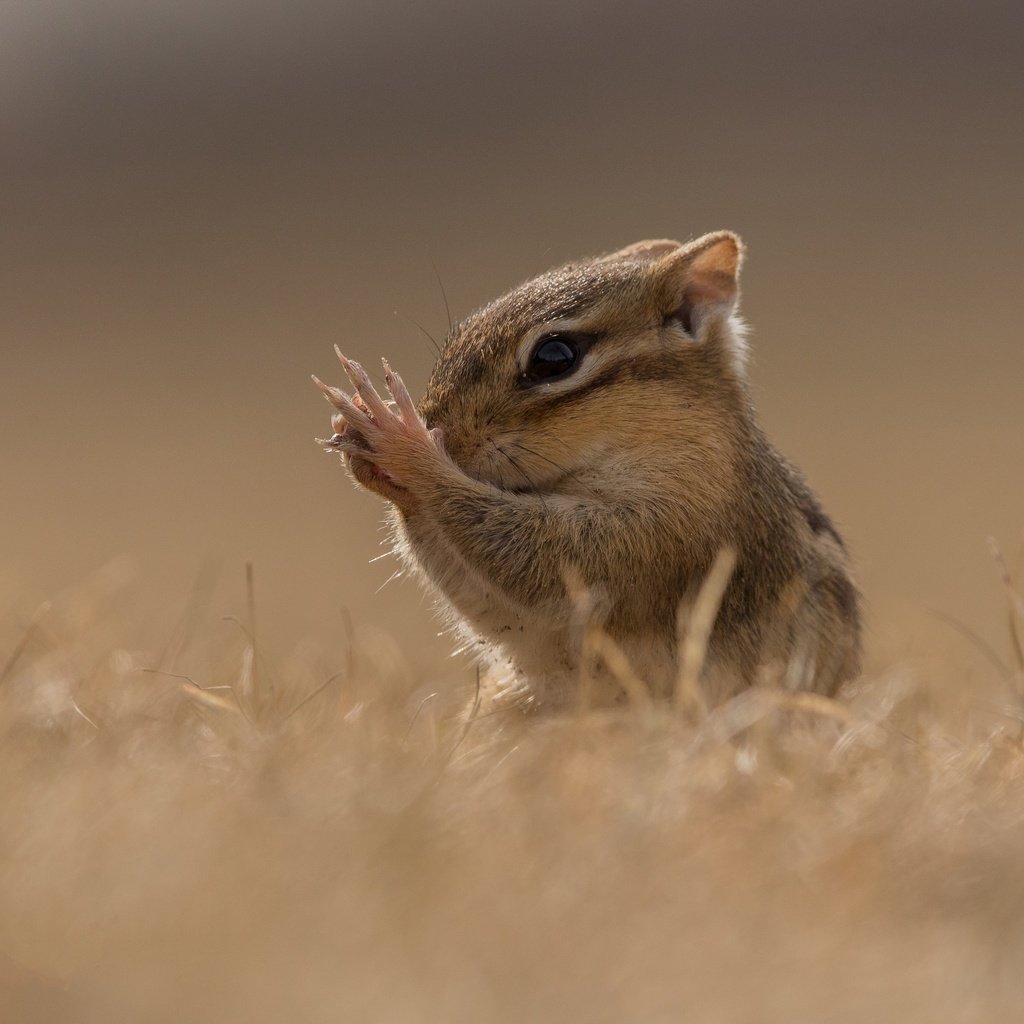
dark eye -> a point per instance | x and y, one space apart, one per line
555 356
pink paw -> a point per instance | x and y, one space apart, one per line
386 445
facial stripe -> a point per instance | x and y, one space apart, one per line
541 400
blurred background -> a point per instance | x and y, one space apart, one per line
198 200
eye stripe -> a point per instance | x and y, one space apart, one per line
606 376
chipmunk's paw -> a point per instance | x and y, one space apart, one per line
386 445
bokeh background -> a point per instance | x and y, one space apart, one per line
198 200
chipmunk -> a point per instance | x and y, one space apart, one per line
595 424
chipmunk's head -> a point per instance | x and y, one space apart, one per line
599 365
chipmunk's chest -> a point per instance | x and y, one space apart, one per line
533 640
540 648
527 634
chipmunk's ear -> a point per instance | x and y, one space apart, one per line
698 287
700 279
652 249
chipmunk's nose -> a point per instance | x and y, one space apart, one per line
430 410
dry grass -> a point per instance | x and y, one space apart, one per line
326 841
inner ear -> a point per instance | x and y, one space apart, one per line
700 295
702 278
684 315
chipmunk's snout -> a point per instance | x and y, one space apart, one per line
428 413
444 413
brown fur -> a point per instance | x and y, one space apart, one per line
629 475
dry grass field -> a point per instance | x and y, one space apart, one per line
198 833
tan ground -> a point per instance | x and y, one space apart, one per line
320 840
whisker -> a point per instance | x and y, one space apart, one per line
536 454
571 474
494 469
519 469
421 329
444 295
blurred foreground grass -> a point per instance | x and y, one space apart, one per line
324 839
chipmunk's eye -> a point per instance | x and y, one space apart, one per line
555 356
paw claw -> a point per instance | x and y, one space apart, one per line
364 388
333 395
400 393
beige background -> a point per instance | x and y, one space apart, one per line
197 200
